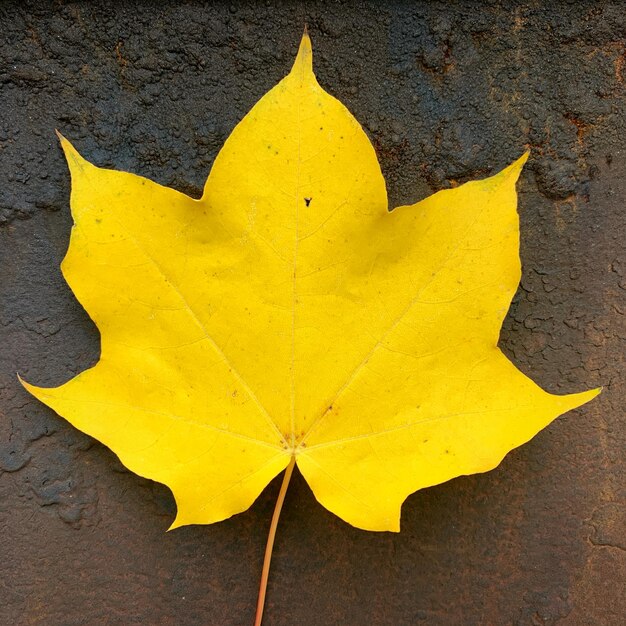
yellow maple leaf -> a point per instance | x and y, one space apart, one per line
287 316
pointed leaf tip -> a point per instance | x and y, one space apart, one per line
34 390
304 58
586 396
65 144
72 156
30 388
514 169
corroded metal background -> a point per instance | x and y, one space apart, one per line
447 92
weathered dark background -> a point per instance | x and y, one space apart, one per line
447 91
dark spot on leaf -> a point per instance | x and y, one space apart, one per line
307 201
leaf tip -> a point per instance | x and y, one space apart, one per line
24 384
33 390
72 155
304 59
575 400
514 169
592 393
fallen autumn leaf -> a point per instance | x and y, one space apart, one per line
287 317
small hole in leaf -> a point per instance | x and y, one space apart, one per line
307 201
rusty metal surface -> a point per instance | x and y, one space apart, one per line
447 92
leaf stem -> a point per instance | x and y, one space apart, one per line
270 542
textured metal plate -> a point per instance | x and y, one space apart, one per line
448 92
